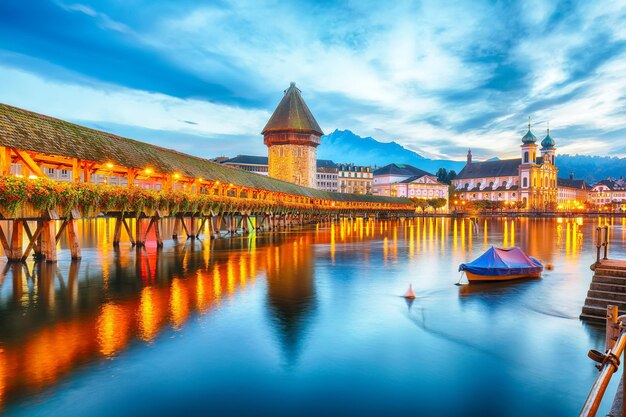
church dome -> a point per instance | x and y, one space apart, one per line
529 137
548 142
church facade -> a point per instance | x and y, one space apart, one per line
528 182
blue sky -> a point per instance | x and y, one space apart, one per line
204 77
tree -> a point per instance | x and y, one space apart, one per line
451 175
442 174
437 203
420 202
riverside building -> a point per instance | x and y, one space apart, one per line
354 179
572 193
609 191
530 179
402 180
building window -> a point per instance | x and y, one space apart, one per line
525 182
525 157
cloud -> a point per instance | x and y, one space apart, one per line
434 77
127 107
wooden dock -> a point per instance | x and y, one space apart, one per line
608 286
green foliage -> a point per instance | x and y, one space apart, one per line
445 176
437 203
420 203
43 194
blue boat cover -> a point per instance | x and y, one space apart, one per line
496 262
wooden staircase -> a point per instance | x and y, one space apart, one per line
608 286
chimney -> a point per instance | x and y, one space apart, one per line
469 157
571 176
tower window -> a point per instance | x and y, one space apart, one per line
525 182
525 157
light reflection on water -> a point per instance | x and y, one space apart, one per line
304 319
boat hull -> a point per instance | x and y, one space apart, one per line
472 277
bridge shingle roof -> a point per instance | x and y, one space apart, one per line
26 130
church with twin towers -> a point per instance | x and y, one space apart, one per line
529 182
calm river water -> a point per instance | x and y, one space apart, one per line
304 322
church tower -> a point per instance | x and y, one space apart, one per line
548 149
527 169
292 136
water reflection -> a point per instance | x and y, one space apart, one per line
57 318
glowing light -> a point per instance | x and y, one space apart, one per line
177 176
109 165
32 177
148 171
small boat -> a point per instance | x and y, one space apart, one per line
498 264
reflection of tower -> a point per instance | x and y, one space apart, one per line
292 136
291 293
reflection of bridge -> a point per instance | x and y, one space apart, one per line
55 317
150 183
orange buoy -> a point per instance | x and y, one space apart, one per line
549 267
409 293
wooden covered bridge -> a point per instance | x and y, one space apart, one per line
100 174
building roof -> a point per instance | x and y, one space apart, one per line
35 132
401 170
613 184
326 163
247 160
416 177
292 115
352 167
499 168
572 183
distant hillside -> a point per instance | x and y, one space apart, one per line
345 146
591 168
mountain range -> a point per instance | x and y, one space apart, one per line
369 151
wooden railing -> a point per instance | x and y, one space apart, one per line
608 363
602 242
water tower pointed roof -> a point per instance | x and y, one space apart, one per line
292 114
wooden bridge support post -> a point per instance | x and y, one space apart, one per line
244 223
218 224
48 241
233 227
158 230
117 233
176 230
72 232
140 239
211 226
192 232
16 241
